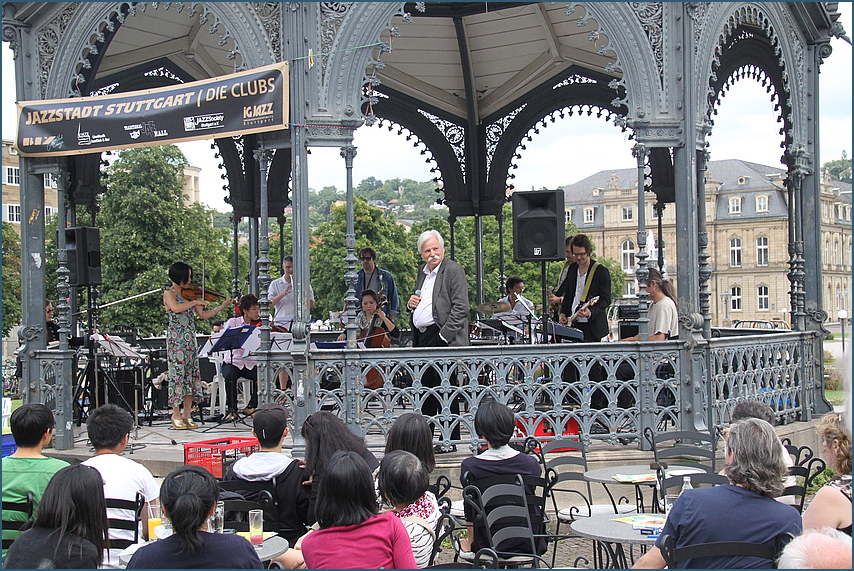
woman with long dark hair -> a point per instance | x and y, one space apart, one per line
352 535
185 384
71 529
412 433
188 496
325 434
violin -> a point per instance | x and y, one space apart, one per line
195 292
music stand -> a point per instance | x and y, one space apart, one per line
235 338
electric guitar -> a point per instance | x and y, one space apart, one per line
589 303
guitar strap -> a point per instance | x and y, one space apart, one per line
588 281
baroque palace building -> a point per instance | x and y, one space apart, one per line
746 216
12 192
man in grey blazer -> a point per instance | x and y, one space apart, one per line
440 308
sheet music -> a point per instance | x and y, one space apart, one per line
206 348
116 347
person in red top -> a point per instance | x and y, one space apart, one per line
352 535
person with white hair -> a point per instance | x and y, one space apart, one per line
827 548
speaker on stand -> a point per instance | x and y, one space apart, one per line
539 234
83 245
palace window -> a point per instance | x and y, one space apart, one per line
49 180
735 252
13 176
762 298
735 298
762 203
589 215
627 256
12 213
762 251
735 205
569 213
627 213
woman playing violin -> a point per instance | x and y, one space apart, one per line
237 364
185 384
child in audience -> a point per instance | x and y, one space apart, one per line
188 496
70 531
351 534
412 433
403 481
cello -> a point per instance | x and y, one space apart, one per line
374 336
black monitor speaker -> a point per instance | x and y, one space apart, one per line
538 226
83 245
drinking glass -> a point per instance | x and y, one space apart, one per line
256 527
217 518
155 518
669 500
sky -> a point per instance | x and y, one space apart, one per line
568 150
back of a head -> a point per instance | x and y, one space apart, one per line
325 434
758 462
493 422
832 429
269 423
753 409
825 549
107 425
403 478
29 422
412 433
187 495
73 504
346 494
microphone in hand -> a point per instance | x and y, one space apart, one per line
415 299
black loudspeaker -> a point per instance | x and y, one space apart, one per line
538 227
628 329
83 246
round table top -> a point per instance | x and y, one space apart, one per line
272 547
606 475
603 528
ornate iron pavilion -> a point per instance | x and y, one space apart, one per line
472 82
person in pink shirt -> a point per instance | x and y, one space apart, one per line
352 535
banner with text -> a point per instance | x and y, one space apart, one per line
251 101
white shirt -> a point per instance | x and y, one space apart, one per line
235 356
423 314
285 308
123 478
579 290
664 317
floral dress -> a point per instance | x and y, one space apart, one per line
181 355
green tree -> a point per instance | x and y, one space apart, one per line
145 227
839 169
11 278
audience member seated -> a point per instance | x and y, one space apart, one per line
351 534
743 510
325 434
403 481
494 422
756 409
109 427
70 531
27 470
825 549
831 506
188 497
270 427
236 365
412 432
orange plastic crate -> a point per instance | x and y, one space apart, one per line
217 455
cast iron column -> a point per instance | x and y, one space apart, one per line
350 278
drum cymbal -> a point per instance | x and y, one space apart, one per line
493 307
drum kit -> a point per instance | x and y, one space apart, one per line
516 327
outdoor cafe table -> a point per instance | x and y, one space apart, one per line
611 535
272 547
606 476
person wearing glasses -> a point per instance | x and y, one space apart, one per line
51 326
585 279
376 279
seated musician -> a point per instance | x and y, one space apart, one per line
236 365
369 318
521 308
